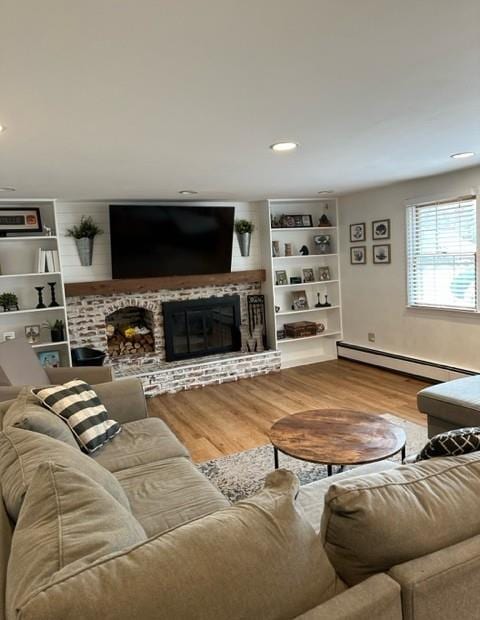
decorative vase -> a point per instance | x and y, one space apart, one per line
85 250
244 243
57 334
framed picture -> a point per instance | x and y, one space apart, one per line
20 220
358 232
308 275
281 278
380 230
324 273
299 300
295 280
50 359
322 244
381 254
358 255
296 221
32 332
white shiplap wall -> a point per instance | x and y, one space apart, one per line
69 213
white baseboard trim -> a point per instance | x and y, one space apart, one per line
291 361
401 363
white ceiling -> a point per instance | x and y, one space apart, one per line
142 98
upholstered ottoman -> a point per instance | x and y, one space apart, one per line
449 405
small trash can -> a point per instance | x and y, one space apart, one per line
85 356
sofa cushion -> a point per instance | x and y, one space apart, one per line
140 442
374 522
169 493
456 402
67 521
26 412
256 559
22 451
77 403
452 443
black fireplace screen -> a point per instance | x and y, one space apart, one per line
201 327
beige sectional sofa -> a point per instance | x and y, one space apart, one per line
138 532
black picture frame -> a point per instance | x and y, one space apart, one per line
11 220
297 221
382 254
358 255
358 232
295 280
381 230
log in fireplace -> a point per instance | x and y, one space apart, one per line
199 327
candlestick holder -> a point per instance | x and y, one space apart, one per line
53 303
39 290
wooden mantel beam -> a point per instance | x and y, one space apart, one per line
142 285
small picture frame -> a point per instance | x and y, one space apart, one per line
358 232
380 230
295 280
296 221
324 274
358 255
382 254
308 275
49 359
299 301
17 220
32 332
281 278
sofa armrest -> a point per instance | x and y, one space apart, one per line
375 598
124 399
89 374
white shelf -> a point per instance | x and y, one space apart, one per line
324 335
294 228
31 238
304 311
304 256
302 284
39 345
30 275
14 312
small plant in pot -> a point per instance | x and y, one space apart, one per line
9 302
244 230
84 235
57 330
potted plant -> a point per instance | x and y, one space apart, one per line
57 330
9 301
84 235
244 230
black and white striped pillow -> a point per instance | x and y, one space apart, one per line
77 403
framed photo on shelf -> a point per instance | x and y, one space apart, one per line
20 220
308 275
281 278
299 300
32 332
358 232
381 254
358 255
295 280
49 359
324 274
380 230
296 221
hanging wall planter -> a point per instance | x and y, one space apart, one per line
84 235
244 230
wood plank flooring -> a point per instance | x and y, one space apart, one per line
223 419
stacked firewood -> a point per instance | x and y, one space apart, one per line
118 344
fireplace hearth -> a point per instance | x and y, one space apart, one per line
200 327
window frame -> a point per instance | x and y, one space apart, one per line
425 203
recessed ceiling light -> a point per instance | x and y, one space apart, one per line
7 189
462 155
282 147
2 128
187 192
326 191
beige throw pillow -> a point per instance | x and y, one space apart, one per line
257 559
26 412
21 452
374 522
67 522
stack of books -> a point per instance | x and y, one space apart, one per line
47 261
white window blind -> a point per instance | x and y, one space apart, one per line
441 249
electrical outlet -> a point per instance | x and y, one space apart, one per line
371 337
8 336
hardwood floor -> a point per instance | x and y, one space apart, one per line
223 419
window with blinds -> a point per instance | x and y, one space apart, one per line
441 250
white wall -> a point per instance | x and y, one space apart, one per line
69 213
374 296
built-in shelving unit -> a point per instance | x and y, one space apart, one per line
280 296
19 275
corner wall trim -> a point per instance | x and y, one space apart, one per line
402 363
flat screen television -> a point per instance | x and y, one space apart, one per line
170 240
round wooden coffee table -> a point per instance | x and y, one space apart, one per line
337 437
